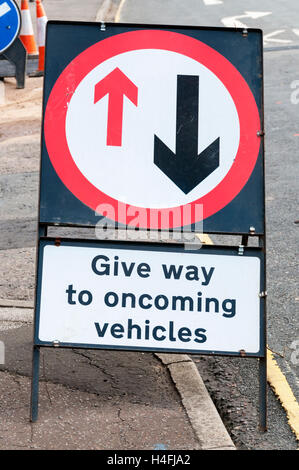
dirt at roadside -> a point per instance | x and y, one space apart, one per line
20 125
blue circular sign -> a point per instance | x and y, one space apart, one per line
10 23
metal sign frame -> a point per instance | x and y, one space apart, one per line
175 248
59 210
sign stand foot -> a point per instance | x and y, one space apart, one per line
35 384
17 55
263 393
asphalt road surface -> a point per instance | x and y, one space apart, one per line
279 19
232 383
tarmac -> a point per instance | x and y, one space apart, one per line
101 400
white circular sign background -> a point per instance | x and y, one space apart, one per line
127 173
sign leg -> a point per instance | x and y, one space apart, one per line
17 55
35 384
263 393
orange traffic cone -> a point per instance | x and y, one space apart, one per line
41 21
26 33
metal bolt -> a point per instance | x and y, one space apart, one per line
263 294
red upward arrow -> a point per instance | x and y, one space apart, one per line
116 85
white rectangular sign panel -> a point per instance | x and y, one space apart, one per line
146 298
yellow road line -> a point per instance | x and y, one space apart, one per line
204 238
118 13
275 378
283 391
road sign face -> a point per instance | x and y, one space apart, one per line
127 296
150 121
10 23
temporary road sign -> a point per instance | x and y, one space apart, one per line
152 120
10 23
140 297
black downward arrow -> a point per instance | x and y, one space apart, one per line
186 168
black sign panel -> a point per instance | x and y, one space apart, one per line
153 127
